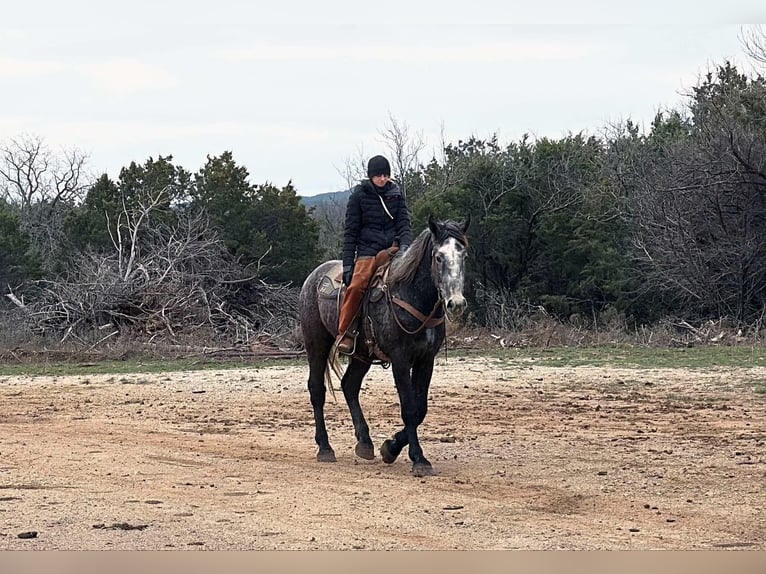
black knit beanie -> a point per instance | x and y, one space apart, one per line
378 165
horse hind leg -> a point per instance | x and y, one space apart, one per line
318 351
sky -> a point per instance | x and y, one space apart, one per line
297 90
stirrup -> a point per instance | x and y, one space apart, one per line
347 344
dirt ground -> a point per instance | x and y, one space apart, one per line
527 458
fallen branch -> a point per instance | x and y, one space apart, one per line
15 300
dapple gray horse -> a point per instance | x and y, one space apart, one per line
404 327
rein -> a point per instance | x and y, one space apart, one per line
425 322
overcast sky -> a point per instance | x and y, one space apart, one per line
296 89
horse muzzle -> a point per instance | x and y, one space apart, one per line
455 306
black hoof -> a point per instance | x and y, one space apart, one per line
423 469
326 456
388 452
365 451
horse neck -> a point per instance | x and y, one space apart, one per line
422 288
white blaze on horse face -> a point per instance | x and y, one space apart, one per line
451 255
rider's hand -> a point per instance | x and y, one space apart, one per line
348 273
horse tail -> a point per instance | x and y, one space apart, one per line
333 365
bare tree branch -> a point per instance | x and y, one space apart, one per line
404 148
354 169
30 173
753 40
166 279
42 186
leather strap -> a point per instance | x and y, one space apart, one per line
425 322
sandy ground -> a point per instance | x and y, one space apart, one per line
527 458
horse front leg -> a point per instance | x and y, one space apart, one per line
413 398
351 384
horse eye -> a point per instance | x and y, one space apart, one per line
439 258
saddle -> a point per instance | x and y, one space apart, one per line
331 287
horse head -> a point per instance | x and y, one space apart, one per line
448 262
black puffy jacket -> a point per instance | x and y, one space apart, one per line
371 227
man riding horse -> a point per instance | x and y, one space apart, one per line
377 226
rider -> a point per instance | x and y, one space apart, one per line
377 224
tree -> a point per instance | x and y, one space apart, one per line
18 260
578 264
90 225
86 225
330 216
753 39
267 228
285 233
222 190
42 186
696 201
136 181
543 223
404 149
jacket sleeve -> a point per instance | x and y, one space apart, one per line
351 228
403 225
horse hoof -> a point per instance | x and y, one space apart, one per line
386 453
365 451
423 469
326 456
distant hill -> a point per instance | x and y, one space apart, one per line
332 196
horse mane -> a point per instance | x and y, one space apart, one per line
404 266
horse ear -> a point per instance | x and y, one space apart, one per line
432 225
466 223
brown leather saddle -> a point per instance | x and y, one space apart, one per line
331 287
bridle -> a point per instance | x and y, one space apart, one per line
426 322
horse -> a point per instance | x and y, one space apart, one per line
404 329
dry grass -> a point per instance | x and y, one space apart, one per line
547 332
19 344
